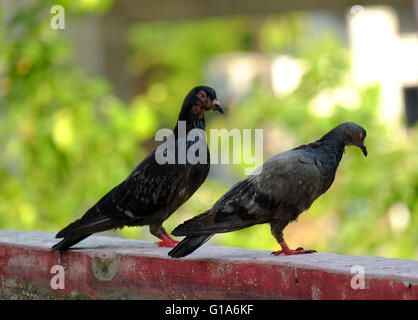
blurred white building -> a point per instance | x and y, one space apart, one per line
384 49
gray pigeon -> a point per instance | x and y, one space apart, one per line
153 191
288 185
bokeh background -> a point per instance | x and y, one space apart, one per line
79 107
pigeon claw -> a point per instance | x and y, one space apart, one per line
287 251
300 249
167 241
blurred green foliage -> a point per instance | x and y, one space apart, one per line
66 139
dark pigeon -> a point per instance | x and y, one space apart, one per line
288 185
153 191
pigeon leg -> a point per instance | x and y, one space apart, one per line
277 232
285 250
158 231
167 241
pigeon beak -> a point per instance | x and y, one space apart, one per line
363 148
217 106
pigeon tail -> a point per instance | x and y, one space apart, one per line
188 245
81 227
67 242
209 223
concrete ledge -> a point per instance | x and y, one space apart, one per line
106 267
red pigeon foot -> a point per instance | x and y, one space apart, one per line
285 250
167 241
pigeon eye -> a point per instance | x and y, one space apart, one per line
202 95
358 136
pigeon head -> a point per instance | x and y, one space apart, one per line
198 101
351 134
